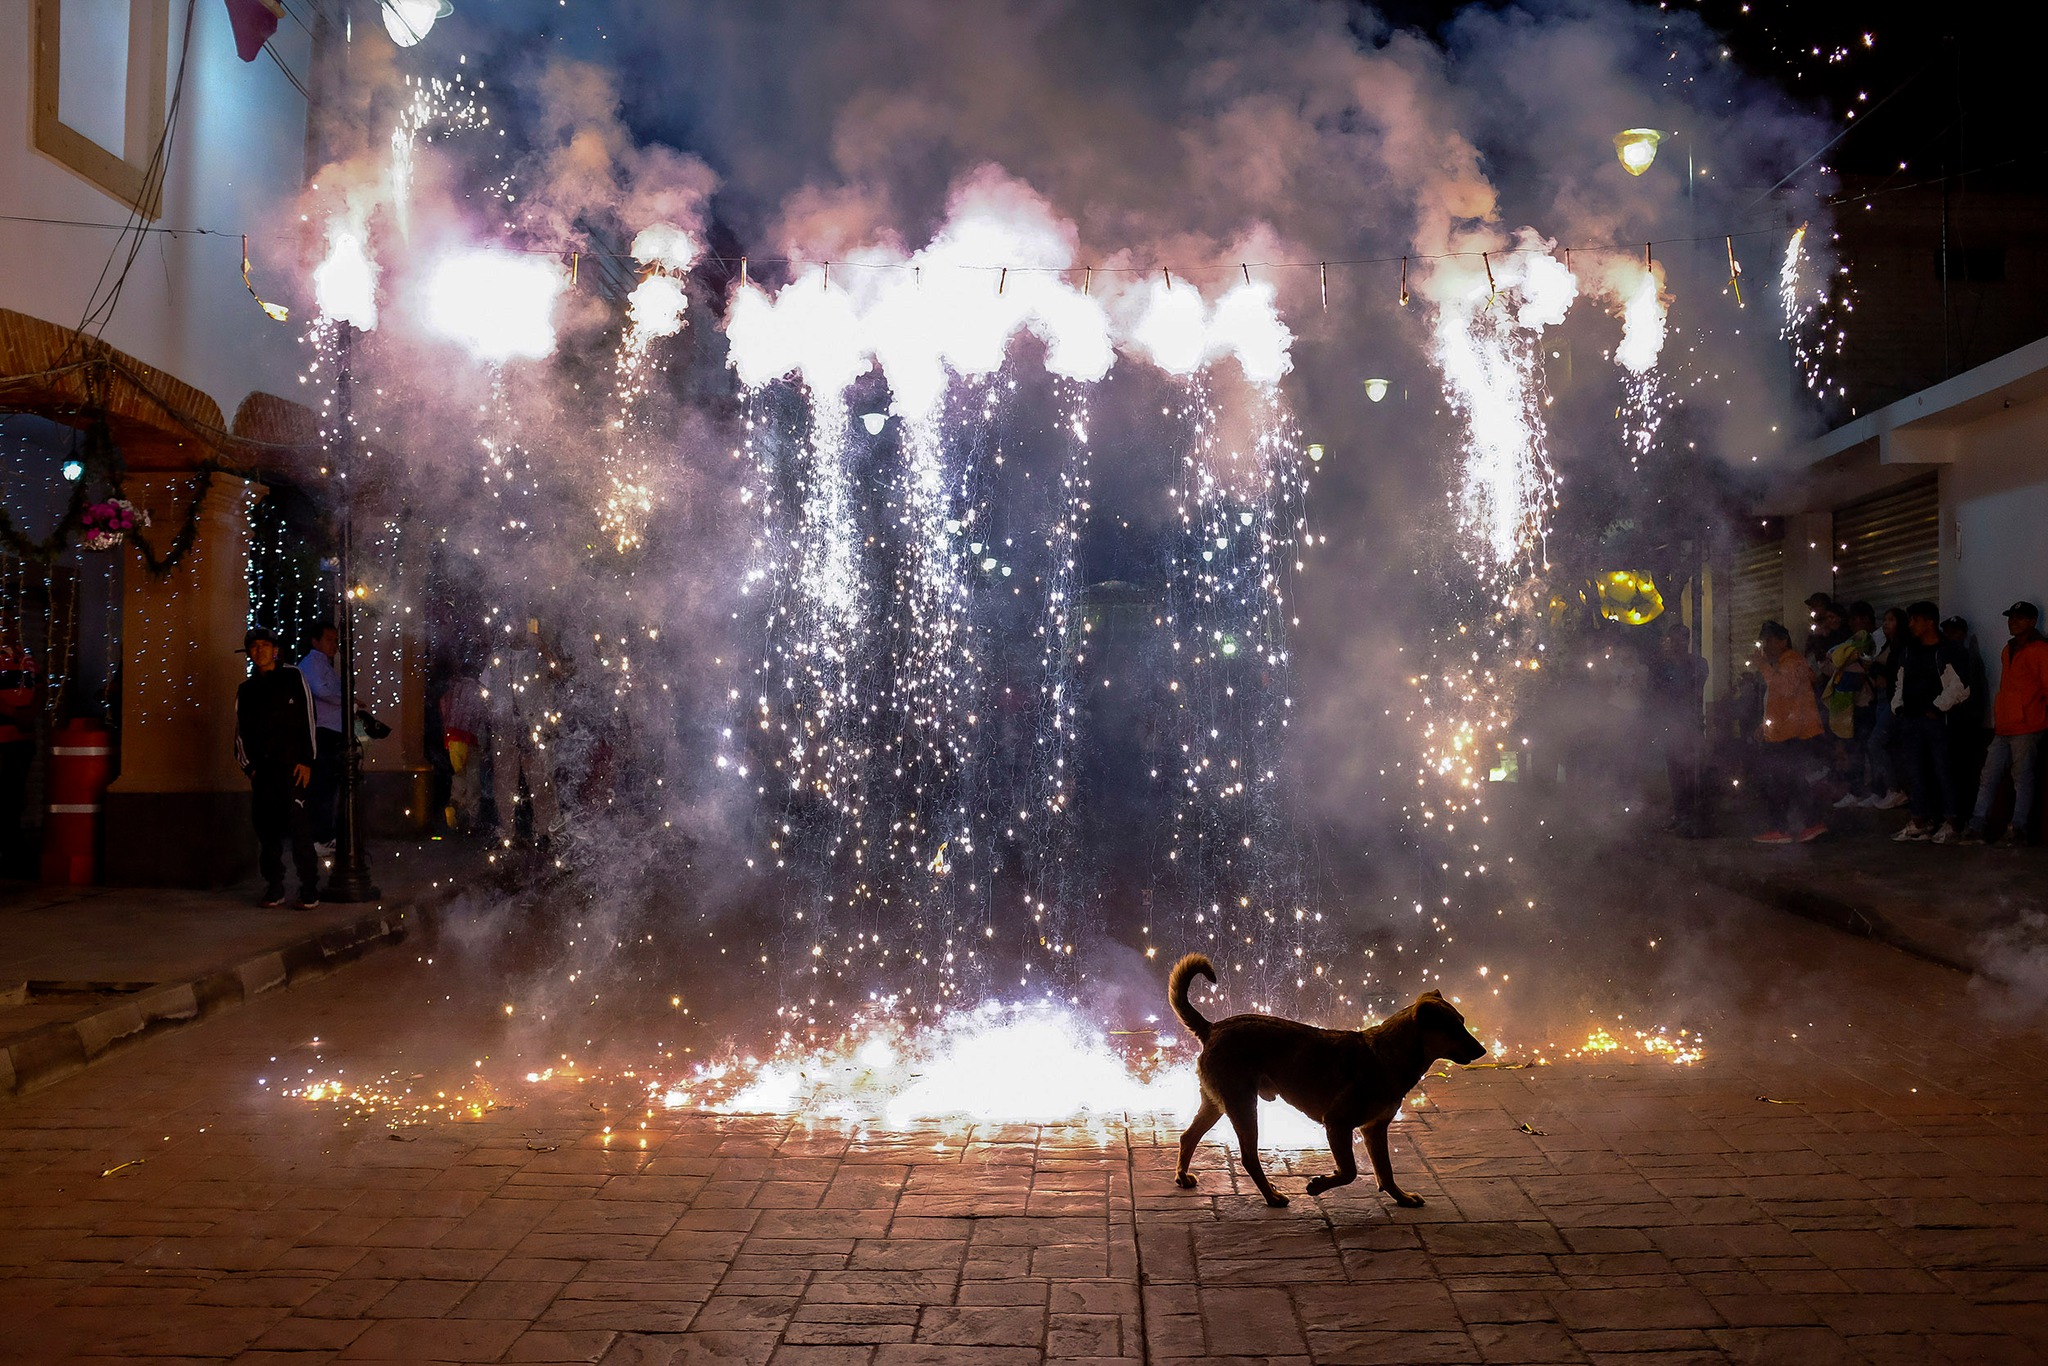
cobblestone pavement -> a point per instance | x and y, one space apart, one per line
1856 1172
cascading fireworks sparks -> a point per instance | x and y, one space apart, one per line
941 705
1489 361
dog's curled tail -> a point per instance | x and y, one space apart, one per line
1184 973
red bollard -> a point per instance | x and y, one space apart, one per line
80 760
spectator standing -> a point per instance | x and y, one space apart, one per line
1790 727
1969 722
274 745
18 686
1930 685
1845 700
1677 679
2019 722
466 732
1883 784
323 680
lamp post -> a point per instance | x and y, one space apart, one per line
350 881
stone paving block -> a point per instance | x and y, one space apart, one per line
1671 1307
546 1346
1533 1342
738 1347
435 1339
1787 1346
1250 1321
983 1325
1365 1348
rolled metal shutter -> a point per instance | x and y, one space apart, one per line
1888 548
1756 593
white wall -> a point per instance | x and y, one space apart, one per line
237 163
1994 508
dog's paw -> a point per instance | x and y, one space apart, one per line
1277 1200
1318 1184
1184 1181
1405 1200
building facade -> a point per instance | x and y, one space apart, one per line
149 174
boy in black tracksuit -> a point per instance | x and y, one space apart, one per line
274 745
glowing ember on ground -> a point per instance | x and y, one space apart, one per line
1024 1064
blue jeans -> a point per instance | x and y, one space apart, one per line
1881 772
2022 755
1924 743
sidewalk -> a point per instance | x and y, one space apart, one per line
84 969
1980 910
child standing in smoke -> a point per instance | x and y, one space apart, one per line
1790 726
520 719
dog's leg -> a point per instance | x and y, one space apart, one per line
1244 1117
1347 1165
1205 1120
1383 1165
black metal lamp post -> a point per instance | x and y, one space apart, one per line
350 880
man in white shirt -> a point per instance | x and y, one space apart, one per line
323 679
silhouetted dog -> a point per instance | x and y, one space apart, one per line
1347 1078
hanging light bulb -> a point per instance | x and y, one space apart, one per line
874 422
74 470
1375 389
408 21
1315 452
1637 148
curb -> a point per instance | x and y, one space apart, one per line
51 1052
1833 912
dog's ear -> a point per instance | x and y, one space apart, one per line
1432 995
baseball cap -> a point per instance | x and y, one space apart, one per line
2023 608
1819 600
256 633
1955 624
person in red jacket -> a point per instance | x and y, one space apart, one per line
2020 719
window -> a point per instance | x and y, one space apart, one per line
99 90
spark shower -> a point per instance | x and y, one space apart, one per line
947 600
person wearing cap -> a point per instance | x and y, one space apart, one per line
1930 685
274 744
2019 719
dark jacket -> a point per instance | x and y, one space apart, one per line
1932 679
274 722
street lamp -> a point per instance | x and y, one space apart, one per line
1637 148
408 21
874 422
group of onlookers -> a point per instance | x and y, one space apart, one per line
1892 713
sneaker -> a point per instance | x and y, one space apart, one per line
273 896
307 901
1891 801
1813 832
1972 835
1870 799
1947 833
1914 833
2012 839
1771 837
1847 800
